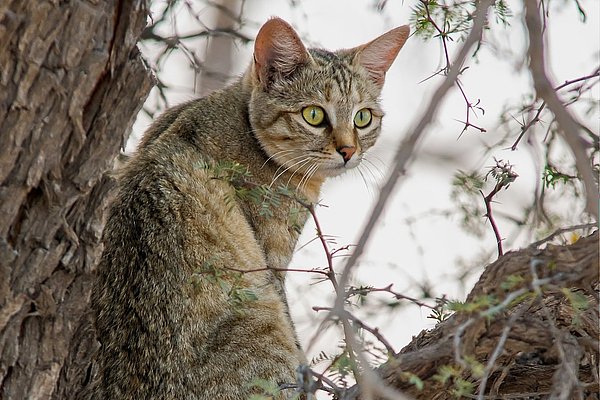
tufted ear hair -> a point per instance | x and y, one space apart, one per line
278 51
378 55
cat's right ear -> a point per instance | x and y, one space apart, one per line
378 55
278 51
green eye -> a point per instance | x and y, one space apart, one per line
362 118
314 115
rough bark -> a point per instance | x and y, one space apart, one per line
71 82
551 342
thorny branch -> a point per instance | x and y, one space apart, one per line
504 176
328 253
443 34
408 146
488 213
566 123
536 118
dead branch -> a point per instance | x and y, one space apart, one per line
545 90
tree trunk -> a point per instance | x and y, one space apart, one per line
545 341
71 83
217 66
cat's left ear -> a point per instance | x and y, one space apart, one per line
378 55
278 51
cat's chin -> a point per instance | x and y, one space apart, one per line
330 172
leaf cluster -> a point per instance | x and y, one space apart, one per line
230 282
451 19
266 197
465 194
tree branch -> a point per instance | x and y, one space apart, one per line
524 339
545 90
407 147
536 117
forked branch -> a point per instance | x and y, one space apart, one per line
545 90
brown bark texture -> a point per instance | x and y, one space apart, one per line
541 343
71 83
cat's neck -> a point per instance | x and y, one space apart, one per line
309 189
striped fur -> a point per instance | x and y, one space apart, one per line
174 248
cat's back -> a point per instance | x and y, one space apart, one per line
212 125
169 229
167 190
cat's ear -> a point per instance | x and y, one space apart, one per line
278 51
378 55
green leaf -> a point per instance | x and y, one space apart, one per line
413 379
511 282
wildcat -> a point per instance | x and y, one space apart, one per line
176 316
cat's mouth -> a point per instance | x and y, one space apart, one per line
337 168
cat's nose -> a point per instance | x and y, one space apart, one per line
346 152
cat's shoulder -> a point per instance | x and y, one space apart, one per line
219 109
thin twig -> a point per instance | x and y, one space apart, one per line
388 289
408 146
497 351
470 108
536 117
328 253
374 331
247 271
371 385
444 37
529 124
488 213
560 232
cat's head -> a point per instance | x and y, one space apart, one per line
316 112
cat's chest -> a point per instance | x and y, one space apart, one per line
276 230
276 207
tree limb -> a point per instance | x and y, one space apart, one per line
545 90
531 362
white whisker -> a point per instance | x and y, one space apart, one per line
280 152
282 165
304 158
302 162
364 179
312 173
381 174
380 167
309 173
307 160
